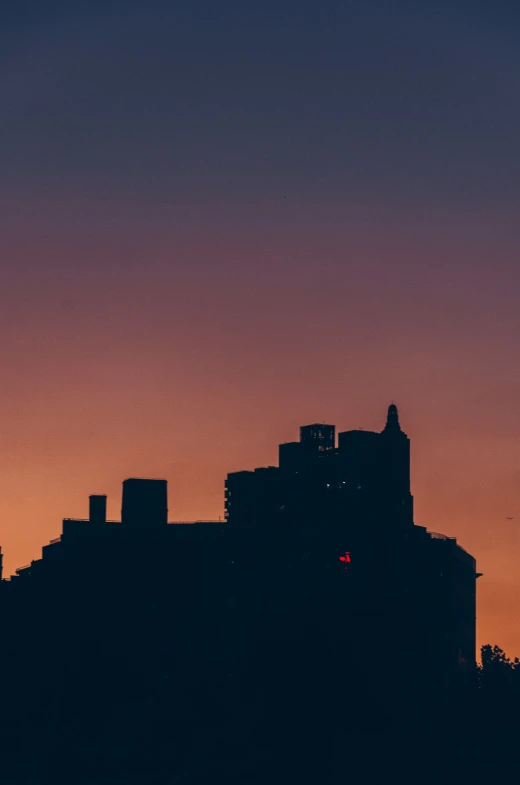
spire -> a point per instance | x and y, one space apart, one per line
392 420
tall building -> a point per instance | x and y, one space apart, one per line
350 506
317 597
365 473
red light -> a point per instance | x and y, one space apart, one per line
346 558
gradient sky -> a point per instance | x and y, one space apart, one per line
220 221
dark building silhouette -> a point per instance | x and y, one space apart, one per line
144 500
317 601
98 509
367 470
354 499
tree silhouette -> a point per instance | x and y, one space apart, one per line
499 684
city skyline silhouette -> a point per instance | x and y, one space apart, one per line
132 644
10 565
250 252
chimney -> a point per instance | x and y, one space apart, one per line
145 503
98 509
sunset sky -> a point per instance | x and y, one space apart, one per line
220 221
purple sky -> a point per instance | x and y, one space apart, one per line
221 221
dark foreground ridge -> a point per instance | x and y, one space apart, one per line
316 628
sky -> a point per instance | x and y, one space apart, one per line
221 221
